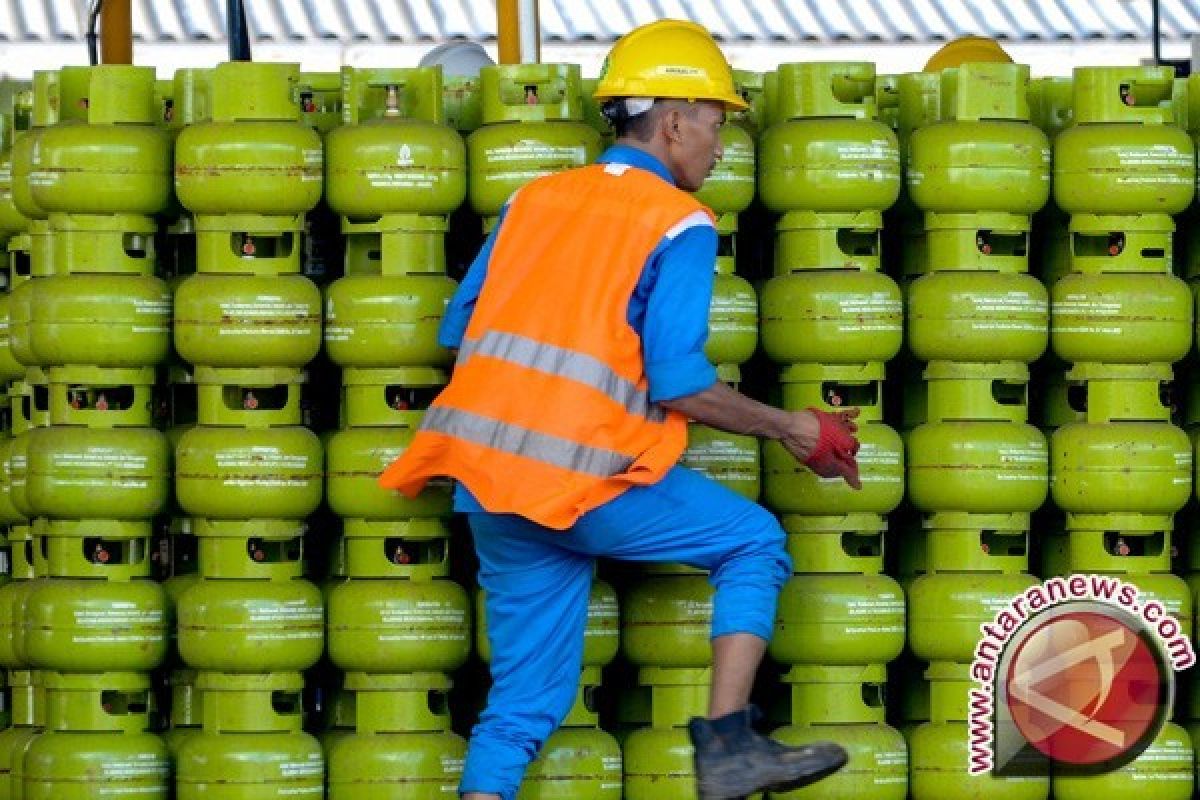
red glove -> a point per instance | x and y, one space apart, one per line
834 455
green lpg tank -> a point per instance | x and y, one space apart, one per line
827 153
402 745
394 169
1126 456
101 610
846 704
838 609
97 743
1123 169
251 171
398 610
980 171
976 564
847 316
252 611
975 453
532 126
103 177
383 410
253 745
938 749
579 760
792 487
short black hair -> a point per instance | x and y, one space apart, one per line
639 126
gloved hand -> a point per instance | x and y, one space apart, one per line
834 454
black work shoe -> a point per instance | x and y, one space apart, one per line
734 761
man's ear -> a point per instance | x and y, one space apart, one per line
670 124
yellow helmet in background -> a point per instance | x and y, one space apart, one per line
669 58
965 50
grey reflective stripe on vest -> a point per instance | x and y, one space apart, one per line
579 367
520 441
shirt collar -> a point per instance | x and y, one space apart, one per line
624 154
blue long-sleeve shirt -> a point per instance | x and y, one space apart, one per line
668 309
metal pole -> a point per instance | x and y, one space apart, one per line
116 32
518 32
239 36
508 32
1156 31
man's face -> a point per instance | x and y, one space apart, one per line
695 142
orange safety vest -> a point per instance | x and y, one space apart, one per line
547 414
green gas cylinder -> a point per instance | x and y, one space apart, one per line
102 178
28 718
101 610
600 637
732 315
1165 770
977 316
1126 456
382 411
532 126
402 745
252 745
1123 169
245 321
729 188
793 488
938 750
981 171
752 87
10 368
1121 318
388 320
814 316
398 611
887 99
14 599
730 459
394 154
975 565
839 619
846 704
101 320
51 101
96 742
976 453
658 758
666 620
579 760
16 108
826 151
271 468
250 171
251 612
99 458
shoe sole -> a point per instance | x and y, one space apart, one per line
807 779
784 786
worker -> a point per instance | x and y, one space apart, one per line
580 331
966 49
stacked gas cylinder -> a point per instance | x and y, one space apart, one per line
88 472
397 625
248 473
1120 320
832 320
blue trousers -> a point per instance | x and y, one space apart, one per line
537 582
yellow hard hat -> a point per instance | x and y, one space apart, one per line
669 58
967 49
